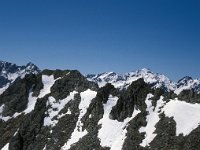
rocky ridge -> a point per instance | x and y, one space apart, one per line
58 109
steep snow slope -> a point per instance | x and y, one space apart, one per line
86 98
113 133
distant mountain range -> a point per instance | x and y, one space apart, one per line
154 79
9 72
63 109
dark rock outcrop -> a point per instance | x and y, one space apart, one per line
29 132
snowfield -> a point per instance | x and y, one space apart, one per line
113 133
186 116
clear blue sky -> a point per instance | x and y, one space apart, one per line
103 35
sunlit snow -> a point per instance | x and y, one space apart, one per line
31 103
55 108
152 119
86 98
123 81
5 147
3 89
186 115
113 133
48 82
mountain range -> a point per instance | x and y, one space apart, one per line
154 79
63 109
9 72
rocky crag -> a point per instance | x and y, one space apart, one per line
63 109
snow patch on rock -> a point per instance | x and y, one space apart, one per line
152 119
3 89
78 133
55 108
48 82
6 147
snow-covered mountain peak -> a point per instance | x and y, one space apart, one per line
187 83
107 74
144 71
139 72
106 77
185 80
123 81
65 111
32 68
7 67
156 80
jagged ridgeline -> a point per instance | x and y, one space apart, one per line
61 110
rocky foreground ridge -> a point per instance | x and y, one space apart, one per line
63 109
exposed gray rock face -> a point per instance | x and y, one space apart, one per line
60 110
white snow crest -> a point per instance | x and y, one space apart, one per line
86 98
114 139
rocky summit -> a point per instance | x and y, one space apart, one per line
65 110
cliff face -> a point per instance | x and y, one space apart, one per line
57 109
